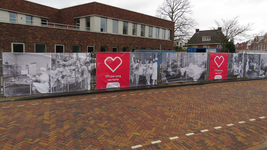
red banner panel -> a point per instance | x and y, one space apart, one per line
218 66
112 70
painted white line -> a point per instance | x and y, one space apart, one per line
219 127
262 117
35 104
136 146
6 107
241 122
188 134
173 138
155 142
20 105
229 125
252 119
206 130
59 101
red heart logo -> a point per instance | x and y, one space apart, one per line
113 63
219 61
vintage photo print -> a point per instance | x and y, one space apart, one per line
143 69
253 65
235 65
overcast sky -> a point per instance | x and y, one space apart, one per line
204 11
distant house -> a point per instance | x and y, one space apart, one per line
206 39
259 43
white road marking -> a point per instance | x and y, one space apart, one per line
206 130
20 105
262 117
173 138
241 122
252 119
188 134
229 125
155 142
136 146
6 107
219 127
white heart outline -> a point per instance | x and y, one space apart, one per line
216 61
113 60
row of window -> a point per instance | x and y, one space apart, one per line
13 18
41 48
134 29
60 48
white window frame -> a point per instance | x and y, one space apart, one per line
206 38
39 43
17 43
60 45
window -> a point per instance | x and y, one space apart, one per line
115 26
163 33
44 22
103 25
206 38
59 48
90 49
88 24
142 30
125 49
29 20
157 33
169 34
219 46
12 17
125 27
40 48
150 31
104 48
115 49
77 23
134 28
76 48
18 47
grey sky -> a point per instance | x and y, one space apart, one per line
204 11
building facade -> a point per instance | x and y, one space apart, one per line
94 27
259 43
206 39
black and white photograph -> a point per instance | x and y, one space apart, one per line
143 69
235 65
26 74
183 67
70 72
253 66
263 66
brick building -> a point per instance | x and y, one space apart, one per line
206 39
29 27
259 43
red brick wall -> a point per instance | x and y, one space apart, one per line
31 8
31 35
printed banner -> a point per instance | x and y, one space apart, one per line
112 70
235 65
218 66
31 73
143 69
253 67
183 67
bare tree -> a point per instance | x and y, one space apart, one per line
178 11
232 29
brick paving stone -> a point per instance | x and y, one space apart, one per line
120 122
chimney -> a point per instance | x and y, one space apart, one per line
197 30
220 28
